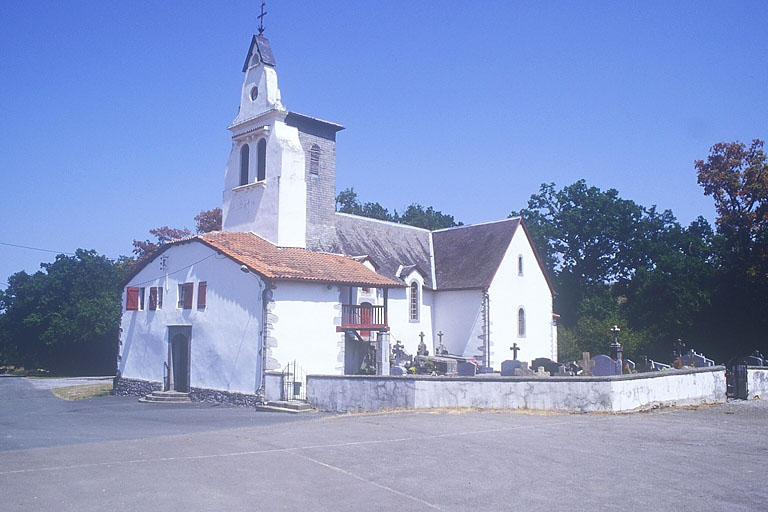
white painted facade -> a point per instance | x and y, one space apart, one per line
512 290
458 314
225 335
402 328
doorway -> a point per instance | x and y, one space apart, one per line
179 357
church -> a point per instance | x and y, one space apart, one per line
288 279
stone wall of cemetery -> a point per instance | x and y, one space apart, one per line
757 382
691 386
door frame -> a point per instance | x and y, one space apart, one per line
173 331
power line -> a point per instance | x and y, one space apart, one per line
37 249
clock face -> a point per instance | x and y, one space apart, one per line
254 93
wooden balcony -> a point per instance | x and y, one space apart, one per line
363 318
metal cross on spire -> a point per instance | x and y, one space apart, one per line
261 18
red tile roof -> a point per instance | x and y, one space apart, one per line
290 263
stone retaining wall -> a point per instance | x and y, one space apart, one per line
757 382
136 387
692 386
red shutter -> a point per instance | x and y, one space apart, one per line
132 299
201 289
189 289
153 298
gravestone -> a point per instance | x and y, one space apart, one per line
694 359
656 367
541 372
605 366
398 370
563 371
548 364
467 369
643 365
523 371
484 369
586 364
509 366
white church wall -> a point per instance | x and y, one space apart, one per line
458 314
401 326
510 291
225 334
303 322
274 208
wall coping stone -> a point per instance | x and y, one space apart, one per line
499 378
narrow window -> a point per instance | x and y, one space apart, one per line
414 302
244 162
185 295
521 323
202 287
153 298
141 299
131 299
261 170
520 265
314 159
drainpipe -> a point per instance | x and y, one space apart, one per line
266 298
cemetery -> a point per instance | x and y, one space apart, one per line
601 383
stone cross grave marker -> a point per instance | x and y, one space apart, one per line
399 351
515 349
541 372
586 364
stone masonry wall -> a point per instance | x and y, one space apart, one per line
321 190
137 387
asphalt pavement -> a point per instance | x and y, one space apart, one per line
224 458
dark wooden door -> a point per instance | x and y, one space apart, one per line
180 355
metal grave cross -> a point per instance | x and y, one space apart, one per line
586 364
421 336
261 18
399 352
515 349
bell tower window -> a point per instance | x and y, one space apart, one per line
261 169
314 159
244 161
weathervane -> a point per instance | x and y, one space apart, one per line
261 18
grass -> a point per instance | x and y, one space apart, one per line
83 392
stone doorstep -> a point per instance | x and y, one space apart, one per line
166 397
289 406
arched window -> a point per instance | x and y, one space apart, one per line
261 163
314 159
414 302
521 323
244 162
520 265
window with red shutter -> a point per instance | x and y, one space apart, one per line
132 299
189 290
153 298
202 287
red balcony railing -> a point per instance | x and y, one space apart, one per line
373 318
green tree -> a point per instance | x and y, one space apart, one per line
414 215
64 317
736 176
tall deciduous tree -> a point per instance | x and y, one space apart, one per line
64 317
208 220
414 215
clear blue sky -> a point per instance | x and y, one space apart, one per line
113 114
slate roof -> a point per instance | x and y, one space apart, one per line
288 263
467 257
388 244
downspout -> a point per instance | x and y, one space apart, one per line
266 298
487 328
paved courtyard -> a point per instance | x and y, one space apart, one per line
112 453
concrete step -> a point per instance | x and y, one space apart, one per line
289 406
166 397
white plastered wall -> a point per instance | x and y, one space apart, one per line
303 319
510 291
400 324
276 207
458 314
224 345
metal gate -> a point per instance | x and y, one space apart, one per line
736 380
294 382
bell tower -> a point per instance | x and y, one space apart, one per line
280 177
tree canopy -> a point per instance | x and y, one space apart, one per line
414 215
